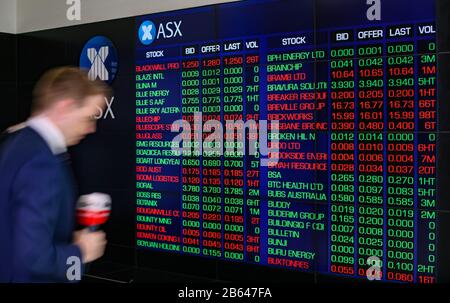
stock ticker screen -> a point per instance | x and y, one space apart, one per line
331 166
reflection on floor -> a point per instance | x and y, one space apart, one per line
110 272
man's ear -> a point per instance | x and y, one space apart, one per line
64 106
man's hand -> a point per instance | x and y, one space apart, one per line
91 244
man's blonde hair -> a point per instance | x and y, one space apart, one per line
65 83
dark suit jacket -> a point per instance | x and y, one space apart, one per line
37 203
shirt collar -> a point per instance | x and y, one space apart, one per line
50 133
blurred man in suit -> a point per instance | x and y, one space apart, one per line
37 193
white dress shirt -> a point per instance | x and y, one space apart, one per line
50 133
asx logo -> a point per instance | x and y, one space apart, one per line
149 32
99 57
